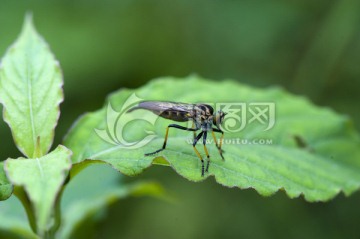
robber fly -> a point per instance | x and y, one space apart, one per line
202 116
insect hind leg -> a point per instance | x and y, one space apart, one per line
155 152
166 137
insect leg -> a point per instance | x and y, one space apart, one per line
222 136
206 152
166 136
218 146
197 152
193 126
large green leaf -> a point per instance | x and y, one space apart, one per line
310 151
5 186
42 179
82 206
31 91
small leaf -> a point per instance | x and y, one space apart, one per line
31 91
82 203
42 179
6 188
326 162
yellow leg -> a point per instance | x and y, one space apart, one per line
193 126
202 161
217 145
166 137
208 158
221 140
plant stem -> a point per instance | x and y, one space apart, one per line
22 196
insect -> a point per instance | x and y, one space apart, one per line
202 116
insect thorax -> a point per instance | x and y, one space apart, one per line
203 116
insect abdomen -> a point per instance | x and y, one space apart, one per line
175 115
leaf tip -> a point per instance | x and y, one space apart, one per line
28 19
28 25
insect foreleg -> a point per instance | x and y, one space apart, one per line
218 146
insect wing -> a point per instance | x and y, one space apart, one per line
180 112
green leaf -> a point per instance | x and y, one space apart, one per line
42 179
83 205
311 151
13 220
31 91
6 188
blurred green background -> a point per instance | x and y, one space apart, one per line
309 47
